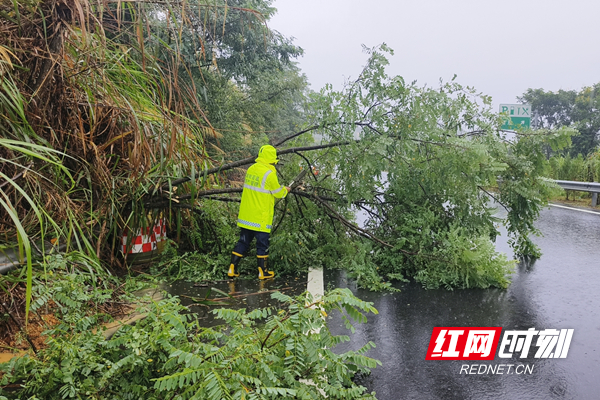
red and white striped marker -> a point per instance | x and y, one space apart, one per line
146 240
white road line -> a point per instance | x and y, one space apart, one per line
574 209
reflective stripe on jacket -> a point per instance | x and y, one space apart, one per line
258 197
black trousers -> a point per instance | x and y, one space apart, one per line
246 236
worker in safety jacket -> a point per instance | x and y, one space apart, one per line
255 218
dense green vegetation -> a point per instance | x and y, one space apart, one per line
582 169
263 354
113 113
102 104
151 100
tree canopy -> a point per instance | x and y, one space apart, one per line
576 109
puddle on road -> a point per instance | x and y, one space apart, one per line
245 293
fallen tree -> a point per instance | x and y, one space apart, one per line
427 167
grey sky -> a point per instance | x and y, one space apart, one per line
501 48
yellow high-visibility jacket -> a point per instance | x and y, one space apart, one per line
261 187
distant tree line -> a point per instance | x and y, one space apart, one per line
568 108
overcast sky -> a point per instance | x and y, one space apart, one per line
499 47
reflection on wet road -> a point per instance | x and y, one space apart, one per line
243 293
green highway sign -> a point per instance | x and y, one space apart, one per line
519 116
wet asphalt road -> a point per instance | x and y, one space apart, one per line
560 290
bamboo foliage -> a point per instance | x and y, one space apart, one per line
95 92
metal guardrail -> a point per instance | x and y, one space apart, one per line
9 258
581 186
593 187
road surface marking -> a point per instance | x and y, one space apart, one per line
575 209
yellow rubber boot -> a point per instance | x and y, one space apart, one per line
235 259
263 273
